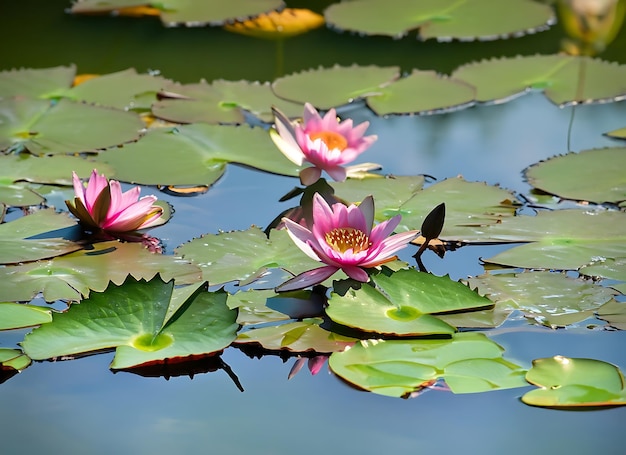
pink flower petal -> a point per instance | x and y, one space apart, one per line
356 273
306 279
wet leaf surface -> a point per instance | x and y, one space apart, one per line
17 315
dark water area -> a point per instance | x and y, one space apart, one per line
79 406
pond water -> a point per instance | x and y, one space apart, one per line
79 406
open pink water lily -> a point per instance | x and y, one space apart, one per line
324 142
102 205
344 237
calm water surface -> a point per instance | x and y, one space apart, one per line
80 407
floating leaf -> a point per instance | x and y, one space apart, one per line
133 318
227 256
576 175
63 128
614 313
441 19
611 268
571 382
402 304
390 191
561 239
278 24
36 83
123 90
195 155
72 276
619 133
551 299
470 206
14 359
559 76
252 307
299 336
18 245
325 88
19 196
192 13
220 102
468 362
422 92
16 315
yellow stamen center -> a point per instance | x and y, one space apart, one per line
343 239
331 139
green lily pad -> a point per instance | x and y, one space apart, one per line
72 276
402 304
422 92
614 313
470 206
591 175
16 315
252 307
610 268
325 88
226 256
192 13
552 299
572 382
619 133
390 191
122 90
195 154
19 196
302 336
13 358
64 127
221 102
44 83
133 319
17 244
441 19
559 76
468 362
561 239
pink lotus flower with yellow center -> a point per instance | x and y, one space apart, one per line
324 142
344 237
102 205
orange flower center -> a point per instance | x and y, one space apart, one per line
331 139
343 239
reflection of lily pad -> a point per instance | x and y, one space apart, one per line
18 245
195 155
591 175
330 87
17 315
559 76
191 13
550 298
567 382
73 275
561 239
299 336
36 83
135 319
220 102
402 304
469 363
441 19
226 256
63 128
422 92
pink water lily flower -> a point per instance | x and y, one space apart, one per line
102 205
344 237
324 142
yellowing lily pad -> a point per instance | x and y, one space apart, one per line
403 304
278 24
558 76
136 320
552 299
468 362
441 19
619 133
592 175
570 382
